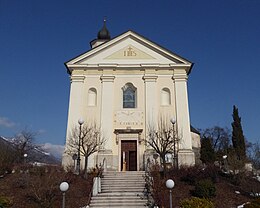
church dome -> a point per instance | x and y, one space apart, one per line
104 33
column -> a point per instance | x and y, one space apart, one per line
185 153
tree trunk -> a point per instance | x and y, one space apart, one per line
86 167
164 165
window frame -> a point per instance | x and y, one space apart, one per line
131 91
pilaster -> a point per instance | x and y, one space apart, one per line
107 103
76 102
185 153
151 108
76 110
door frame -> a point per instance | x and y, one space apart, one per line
127 155
128 134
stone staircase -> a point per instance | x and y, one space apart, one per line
121 189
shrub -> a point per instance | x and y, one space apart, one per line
5 202
21 182
43 184
196 173
195 202
254 204
204 189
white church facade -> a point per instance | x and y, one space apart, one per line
124 84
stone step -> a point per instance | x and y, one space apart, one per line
121 189
115 197
120 194
123 175
124 172
117 204
121 181
114 206
108 206
122 200
125 183
129 186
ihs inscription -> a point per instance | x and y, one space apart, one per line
130 52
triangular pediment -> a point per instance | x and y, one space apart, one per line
128 49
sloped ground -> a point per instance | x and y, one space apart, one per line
39 187
226 196
184 185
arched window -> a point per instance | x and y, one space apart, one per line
165 96
92 97
129 96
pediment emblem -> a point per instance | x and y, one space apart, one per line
129 52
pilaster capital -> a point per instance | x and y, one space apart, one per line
77 78
150 78
107 78
180 75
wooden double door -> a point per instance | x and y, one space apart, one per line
129 154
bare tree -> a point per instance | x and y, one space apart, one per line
89 140
7 156
254 154
24 142
163 140
220 138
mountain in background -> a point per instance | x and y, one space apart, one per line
46 153
54 149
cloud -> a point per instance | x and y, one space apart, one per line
41 131
54 149
5 122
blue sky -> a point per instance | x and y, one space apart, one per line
36 37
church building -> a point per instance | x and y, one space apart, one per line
125 84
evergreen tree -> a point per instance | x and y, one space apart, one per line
207 153
238 138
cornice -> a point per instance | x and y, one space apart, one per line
116 65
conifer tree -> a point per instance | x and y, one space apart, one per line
207 153
238 138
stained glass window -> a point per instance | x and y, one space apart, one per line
129 96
